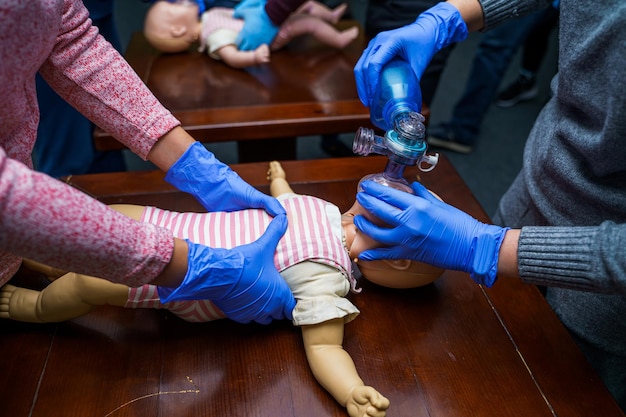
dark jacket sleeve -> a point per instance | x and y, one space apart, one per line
279 10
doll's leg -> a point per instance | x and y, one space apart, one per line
324 32
335 371
322 11
68 297
235 58
278 180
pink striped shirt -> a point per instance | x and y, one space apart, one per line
42 218
309 237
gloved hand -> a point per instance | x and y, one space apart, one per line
215 185
415 43
243 281
426 229
258 28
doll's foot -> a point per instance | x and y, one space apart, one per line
347 36
275 171
262 54
19 304
366 402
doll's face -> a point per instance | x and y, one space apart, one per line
172 26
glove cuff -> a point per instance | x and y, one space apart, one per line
195 165
486 251
450 25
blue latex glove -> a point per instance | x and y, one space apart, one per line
243 281
215 185
415 43
426 229
258 28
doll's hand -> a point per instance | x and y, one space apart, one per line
242 282
415 43
425 229
215 185
365 401
258 28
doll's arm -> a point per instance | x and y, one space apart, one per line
335 371
235 58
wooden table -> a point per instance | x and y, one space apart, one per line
307 89
449 349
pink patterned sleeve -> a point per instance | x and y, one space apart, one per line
91 75
46 220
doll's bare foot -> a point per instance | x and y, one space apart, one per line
366 402
277 178
275 171
262 54
19 304
345 37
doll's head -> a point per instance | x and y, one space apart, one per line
392 273
172 26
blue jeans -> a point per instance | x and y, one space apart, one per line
493 56
64 143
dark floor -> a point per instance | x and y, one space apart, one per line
497 156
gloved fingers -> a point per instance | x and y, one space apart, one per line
424 192
382 49
378 233
407 203
271 205
367 73
269 240
253 198
397 198
362 81
267 298
380 209
265 246
253 310
382 253
280 303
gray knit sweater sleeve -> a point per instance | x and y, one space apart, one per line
583 258
497 11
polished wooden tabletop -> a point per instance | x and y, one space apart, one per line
452 348
307 89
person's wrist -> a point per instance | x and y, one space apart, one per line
170 147
507 258
175 271
471 12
